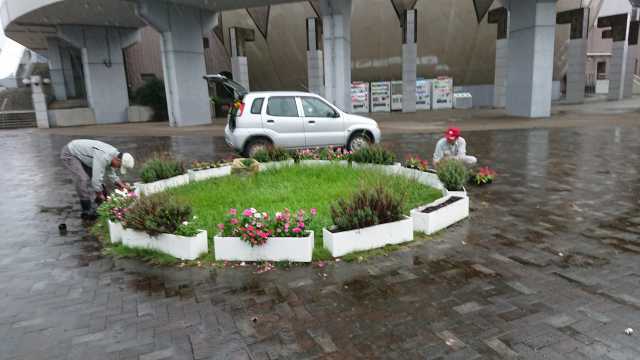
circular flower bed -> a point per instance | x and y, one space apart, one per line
297 187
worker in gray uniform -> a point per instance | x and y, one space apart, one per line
89 161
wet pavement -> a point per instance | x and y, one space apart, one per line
546 267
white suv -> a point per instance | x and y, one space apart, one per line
291 120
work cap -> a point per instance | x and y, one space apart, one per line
127 163
453 133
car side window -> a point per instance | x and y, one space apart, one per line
256 106
314 107
282 106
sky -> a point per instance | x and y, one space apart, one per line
10 53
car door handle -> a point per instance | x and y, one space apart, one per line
312 121
271 121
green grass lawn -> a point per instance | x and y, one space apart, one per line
296 187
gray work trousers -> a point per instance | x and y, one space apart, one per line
80 173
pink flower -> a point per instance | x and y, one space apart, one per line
296 230
234 221
247 213
221 227
301 225
233 212
314 211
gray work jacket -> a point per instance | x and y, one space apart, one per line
97 156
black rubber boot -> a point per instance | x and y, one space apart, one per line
87 211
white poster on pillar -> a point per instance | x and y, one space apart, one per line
381 96
423 94
442 93
360 97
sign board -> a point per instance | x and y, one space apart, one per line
396 95
360 97
442 93
381 96
423 94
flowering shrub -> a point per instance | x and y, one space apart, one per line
415 162
160 168
203 165
257 227
160 214
329 153
271 153
374 154
117 204
484 176
453 174
367 207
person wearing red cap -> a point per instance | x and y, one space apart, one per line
453 146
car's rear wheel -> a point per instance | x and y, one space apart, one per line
255 145
359 141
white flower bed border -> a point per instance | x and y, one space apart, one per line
432 222
372 237
181 247
293 249
296 249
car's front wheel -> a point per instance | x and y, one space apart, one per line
255 145
358 141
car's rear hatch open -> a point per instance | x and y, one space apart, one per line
238 90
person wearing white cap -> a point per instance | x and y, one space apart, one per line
89 161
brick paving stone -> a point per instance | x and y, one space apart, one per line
501 348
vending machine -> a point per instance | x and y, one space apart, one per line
360 97
423 94
396 95
381 96
442 93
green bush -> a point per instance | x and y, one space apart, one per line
159 169
367 207
160 214
453 174
152 94
271 153
374 154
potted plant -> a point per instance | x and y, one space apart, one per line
417 168
161 223
244 167
252 235
159 174
440 214
454 175
113 209
273 157
324 156
203 170
483 176
370 219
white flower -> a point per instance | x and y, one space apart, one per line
194 217
278 215
185 223
253 211
120 192
257 215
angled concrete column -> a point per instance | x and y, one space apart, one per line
531 47
632 52
103 65
39 102
56 72
618 33
239 63
336 25
409 60
500 16
182 29
315 70
577 52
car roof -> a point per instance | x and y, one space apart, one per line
282 93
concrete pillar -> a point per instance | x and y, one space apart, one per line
336 25
315 70
239 64
103 65
182 29
618 33
39 102
577 52
531 47
500 16
409 60
632 52
56 72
